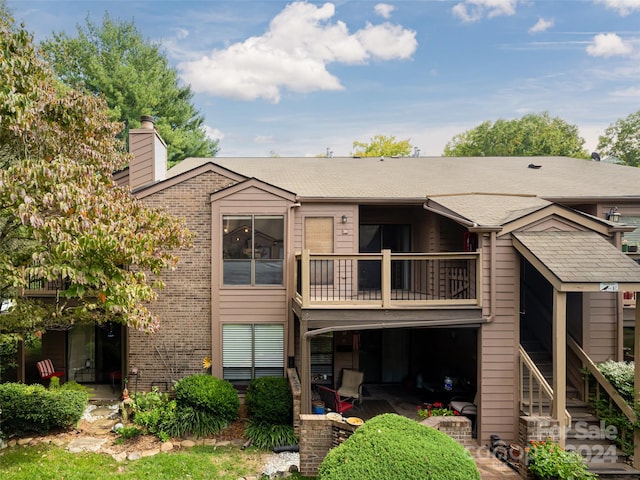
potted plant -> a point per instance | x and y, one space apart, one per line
549 461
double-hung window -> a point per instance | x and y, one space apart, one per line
251 351
253 249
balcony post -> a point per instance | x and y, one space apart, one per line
305 280
559 349
386 278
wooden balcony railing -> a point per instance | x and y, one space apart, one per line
39 287
388 279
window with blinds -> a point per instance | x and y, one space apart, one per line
251 351
633 238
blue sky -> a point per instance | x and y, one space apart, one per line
298 78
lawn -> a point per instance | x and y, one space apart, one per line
49 462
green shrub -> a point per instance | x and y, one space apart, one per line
209 394
74 387
160 421
267 436
269 400
54 383
620 374
127 433
147 401
390 446
33 408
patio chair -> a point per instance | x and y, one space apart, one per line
351 387
46 370
332 400
467 409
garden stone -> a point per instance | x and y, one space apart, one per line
210 442
134 456
119 457
57 442
150 453
12 443
86 444
223 443
24 441
166 447
187 443
237 442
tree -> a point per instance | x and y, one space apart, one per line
135 78
382 146
62 217
622 140
531 135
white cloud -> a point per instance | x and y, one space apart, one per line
293 54
384 10
624 7
608 45
475 10
631 92
542 25
213 133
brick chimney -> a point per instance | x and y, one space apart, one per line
149 151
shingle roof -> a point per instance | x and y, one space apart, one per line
490 209
580 257
418 178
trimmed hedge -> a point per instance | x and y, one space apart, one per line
390 446
269 400
209 394
33 408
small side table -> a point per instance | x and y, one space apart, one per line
84 375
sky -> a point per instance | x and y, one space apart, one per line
309 78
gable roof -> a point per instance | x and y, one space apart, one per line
577 261
489 209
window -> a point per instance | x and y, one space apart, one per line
251 351
252 249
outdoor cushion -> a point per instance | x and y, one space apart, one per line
46 370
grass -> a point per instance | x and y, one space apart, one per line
49 462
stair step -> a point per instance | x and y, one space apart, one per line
615 471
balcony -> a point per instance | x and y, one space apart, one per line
388 280
39 287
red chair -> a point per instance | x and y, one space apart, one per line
46 370
331 399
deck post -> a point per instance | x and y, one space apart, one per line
636 353
560 361
305 279
385 271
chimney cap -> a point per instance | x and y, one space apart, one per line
147 121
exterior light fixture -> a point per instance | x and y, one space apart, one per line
344 219
613 214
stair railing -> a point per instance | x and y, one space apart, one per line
532 377
603 388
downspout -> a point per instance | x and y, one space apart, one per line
290 287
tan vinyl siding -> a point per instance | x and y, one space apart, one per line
499 341
601 331
246 304
345 234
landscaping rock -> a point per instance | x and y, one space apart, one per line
57 442
150 453
187 443
166 447
86 444
210 442
24 441
119 457
223 443
134 456
237 442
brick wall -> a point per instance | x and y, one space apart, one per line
318 435
184 305
457 427
535 428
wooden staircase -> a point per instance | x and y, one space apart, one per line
587 435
